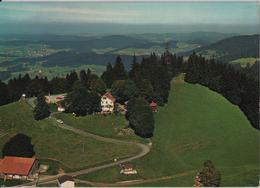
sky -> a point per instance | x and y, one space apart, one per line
224 14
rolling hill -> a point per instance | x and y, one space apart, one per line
61 149
197 124
231 48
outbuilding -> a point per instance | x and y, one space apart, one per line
66 181
19 168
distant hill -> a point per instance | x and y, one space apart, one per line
202 38
68 58
79 43
231 48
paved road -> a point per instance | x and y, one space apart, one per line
144 149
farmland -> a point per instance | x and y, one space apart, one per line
243 62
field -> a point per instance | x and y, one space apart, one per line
60 147
244 61
107 126
197 124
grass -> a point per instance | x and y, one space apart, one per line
52 143
107 126
245 61
11 183
197 124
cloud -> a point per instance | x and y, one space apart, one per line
73 14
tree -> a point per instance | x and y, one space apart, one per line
81 101
118 72
208 176
71 79
4 96
145 88
107 75
135 72
140 117
98 86
19 145
58 85
41 109
124 90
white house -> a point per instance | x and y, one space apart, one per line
107 103
66 181
61 108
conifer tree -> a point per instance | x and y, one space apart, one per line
41 109
140 117
118 72
107 75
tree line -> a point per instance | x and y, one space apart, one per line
148 79
236 86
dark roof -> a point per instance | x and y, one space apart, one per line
127 166
65 178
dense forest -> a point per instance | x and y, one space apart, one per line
149 79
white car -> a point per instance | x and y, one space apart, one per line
60 121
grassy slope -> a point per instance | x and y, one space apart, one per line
197 124
108 126
244 61
50 141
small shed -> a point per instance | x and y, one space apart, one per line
128 169
153 106
66 181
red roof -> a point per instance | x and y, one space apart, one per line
110 96
60 97
153 104
16 165
128 166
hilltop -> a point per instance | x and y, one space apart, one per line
196 124
62 149
232 48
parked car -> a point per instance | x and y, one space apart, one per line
60 121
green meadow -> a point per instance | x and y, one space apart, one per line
197 124
53 145
243 62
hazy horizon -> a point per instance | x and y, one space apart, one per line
128 18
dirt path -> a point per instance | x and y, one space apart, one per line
133 182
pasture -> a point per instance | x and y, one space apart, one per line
197 124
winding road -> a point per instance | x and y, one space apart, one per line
144 149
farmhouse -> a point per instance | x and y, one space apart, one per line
153 106
107 103
66 181
18 168
128 169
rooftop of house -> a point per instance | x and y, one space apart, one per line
16 165
153 104
109 96
127 166
65 178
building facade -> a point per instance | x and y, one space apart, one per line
107 103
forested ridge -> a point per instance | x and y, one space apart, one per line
149 79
